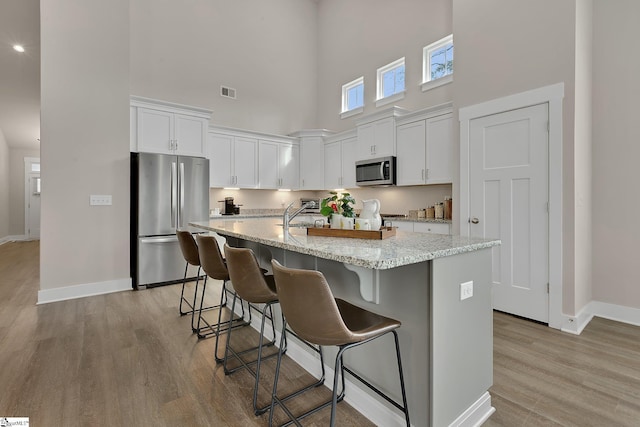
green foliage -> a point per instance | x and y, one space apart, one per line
335 203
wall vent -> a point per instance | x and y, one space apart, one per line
227 92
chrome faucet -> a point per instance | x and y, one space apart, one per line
286 217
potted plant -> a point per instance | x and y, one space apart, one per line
337 206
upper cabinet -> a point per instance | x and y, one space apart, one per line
312 167
425 147
339 160
233 160
167 128
377 134
278 165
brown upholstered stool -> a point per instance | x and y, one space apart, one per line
215 267
252 285
189 251
313 313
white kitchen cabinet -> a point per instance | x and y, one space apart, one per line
422 227
425 151
278 166
232 160
339 161
432 227
311 156
167 128
377 134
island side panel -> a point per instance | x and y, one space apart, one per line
461 334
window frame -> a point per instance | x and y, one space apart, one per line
345 98
427 82
380 98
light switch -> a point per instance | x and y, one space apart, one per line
100 200
466 290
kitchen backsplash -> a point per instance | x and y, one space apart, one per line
393 200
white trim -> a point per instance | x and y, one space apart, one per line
576 324
616 312
85 290
477 413
14 238
391 98
350 113
432 84
552 95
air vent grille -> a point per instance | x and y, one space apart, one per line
227 92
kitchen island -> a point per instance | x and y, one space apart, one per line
446 341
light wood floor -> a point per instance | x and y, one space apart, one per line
129 359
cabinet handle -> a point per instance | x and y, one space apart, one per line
303 182
175 144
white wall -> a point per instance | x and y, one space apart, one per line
616 132
85 142
16 191
4 187
357 37
583 154
266 50
505 47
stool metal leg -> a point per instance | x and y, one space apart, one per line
213 330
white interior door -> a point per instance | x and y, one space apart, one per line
32 187
508 198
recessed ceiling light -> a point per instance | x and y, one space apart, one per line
18 48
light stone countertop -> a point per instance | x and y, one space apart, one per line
402 249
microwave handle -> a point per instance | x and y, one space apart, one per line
382 169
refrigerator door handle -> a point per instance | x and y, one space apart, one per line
164 239
174 194
181 181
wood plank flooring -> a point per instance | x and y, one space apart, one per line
129 359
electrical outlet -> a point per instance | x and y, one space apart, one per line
100 200
466 290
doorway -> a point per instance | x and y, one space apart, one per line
549 97
508 199
33 187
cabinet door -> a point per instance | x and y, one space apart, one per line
411 149
439 157
312 164
403 225
333 165
349 150
431 227
155 131
377 139
268 162
218 150
189 134
289 155
245 162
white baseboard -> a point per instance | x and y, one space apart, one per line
476 414
620 313
16 238
85 290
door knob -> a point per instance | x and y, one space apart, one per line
474 220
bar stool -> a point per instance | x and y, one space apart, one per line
310 309
189 251
215 267
252 285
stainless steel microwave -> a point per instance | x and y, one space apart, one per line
381 171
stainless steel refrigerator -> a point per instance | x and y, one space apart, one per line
167 192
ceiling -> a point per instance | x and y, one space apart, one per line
20 73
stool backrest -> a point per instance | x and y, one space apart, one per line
309 306
247 278
211 257
188 247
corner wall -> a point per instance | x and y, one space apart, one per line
616 132
85 146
